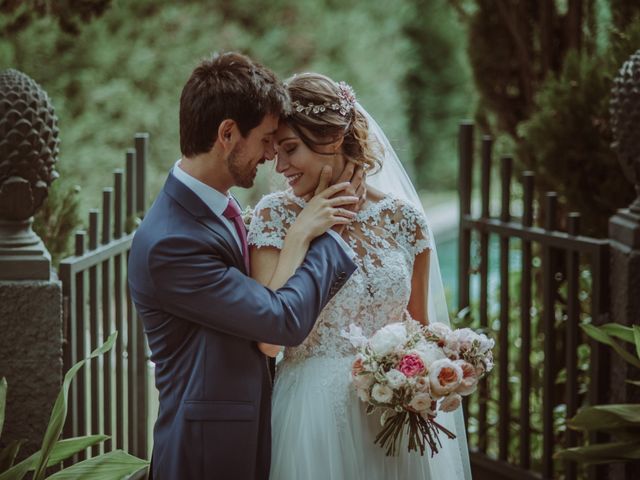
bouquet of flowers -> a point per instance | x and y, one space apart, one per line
411 372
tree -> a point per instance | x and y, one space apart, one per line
16 15
437 91
543 74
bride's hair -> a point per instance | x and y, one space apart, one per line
323 111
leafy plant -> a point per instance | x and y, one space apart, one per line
621 421
58 218
109 466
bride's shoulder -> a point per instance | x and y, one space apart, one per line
404 210
282 199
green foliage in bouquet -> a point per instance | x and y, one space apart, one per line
621 421
109 466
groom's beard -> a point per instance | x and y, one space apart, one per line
242 175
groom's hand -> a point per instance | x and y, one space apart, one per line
325 180
354 174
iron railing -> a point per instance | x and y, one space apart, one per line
557 261
111 397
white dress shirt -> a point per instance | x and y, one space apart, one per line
212 198
218 202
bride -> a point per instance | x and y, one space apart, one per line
319 426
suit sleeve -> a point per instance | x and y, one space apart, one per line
192 282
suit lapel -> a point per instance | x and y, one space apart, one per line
204 215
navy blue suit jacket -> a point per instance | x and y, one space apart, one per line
203 316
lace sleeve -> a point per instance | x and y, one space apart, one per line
271 219
414 233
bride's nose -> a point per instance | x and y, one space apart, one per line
281 163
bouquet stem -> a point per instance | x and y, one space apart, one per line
422 433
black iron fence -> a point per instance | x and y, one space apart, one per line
111 397
546 283
545 367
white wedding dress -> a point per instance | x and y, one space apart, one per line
319 426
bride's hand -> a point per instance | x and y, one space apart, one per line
328 207
269 350
354 174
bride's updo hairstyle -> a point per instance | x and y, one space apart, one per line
324 111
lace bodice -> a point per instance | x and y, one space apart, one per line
386 237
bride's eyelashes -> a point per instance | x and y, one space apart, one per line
290 149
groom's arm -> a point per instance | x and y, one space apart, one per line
193 283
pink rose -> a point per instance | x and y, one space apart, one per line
411 365
450 403
444 376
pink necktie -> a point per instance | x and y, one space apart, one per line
234 214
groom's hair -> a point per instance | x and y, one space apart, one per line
227 86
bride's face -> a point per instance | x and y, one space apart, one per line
299 164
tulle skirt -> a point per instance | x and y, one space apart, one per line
320 430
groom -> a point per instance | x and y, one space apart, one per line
188 276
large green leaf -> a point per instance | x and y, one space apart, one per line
8 454
110 466
59 412
597 334
636 338
602 453
607 418
3 401
619 331
62 450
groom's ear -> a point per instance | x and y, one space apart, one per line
228 134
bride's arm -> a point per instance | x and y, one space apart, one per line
420 288
273 267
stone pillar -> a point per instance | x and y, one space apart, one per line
624 234
30 293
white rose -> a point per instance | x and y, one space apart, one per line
439 329
450 403
444 376
354 335
422 384
421 402
429 352
465 337
363 394
486 343
395 378
381 393
387 338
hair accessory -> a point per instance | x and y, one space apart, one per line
346 93
347 102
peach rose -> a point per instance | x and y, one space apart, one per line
444 376
358 366
450 403
469 381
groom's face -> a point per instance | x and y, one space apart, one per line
254 149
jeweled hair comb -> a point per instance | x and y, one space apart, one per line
347 103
